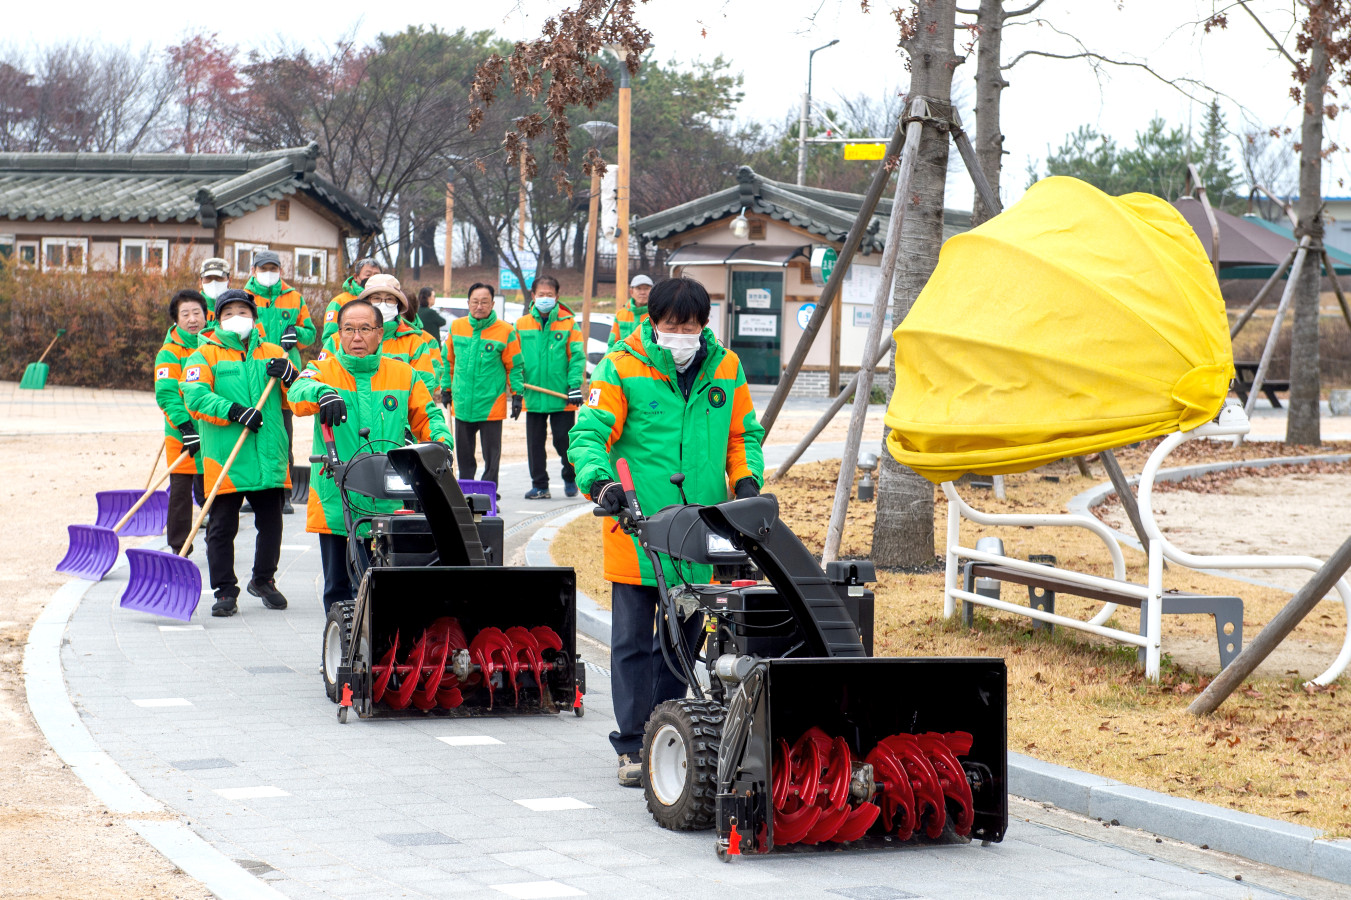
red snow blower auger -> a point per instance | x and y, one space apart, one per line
794 736
165 583
439 626
93 548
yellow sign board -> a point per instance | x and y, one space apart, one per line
865 151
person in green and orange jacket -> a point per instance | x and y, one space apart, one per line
629 318
283 319
669 399
223 380
479 353
401 340
408 313
188 312
215 275
362 270
358 387
551 356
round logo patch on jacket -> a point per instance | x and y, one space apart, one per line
390 402
717 397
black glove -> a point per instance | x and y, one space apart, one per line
608 495
332 410
288 339
747 487
192 441
281 369
517 401
247 416
575 397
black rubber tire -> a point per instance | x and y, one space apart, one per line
339 625
698 724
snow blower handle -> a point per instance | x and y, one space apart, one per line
150 489
331 461
626 480
230 461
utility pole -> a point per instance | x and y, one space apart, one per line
806 113
450 229
622 239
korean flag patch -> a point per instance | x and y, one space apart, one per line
594 398
331 316
162 372
193 374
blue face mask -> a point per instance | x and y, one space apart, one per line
545 304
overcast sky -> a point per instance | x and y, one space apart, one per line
768 40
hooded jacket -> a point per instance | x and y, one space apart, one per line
178 346
350 289
636 411
221 372
402 342
550 355
626 320
382 394
432 352
479 355
279 307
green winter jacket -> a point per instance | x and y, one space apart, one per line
281 306
382 394
178 346
635 411
217 374
550 355
479 354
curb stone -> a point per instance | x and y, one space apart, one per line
1257 838
60 723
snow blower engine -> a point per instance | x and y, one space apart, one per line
793 735
439 625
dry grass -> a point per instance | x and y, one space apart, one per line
1273 749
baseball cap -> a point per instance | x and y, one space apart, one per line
215 266
640 280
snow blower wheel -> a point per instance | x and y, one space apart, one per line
680 763
337 636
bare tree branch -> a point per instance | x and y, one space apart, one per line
1025 10
1267 31
1174 83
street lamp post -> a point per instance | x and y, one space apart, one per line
806 112
622 191
598 130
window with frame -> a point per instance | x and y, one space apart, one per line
311 265
26 252
65 253
145 253
6 247
244 255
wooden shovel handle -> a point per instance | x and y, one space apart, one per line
531 387
230 460
150 489
49 346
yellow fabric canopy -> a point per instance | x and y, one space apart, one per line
1071 323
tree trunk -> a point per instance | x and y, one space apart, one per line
904 532
990 84
426 239
1302 426
579 246
405 251
487 248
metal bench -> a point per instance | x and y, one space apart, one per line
1042 588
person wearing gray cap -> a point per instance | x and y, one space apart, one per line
284 320
215 275
362 270
630 317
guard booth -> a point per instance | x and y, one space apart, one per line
751 245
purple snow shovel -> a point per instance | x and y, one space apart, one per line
93 548
151 517
166 583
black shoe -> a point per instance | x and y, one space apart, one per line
286 507
538 494
224 606
569 489
272 597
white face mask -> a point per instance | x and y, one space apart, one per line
267 279
389 311
213 289
682 346
240 325
545 304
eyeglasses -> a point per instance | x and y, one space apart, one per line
364 330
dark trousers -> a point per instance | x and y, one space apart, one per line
338 587
490 434
182 490
286 417
224 525
639 676
560 423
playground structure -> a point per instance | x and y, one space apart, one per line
1113 332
